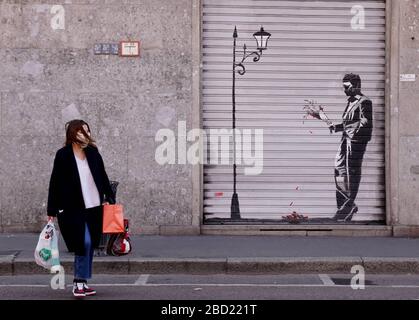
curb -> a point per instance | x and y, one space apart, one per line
107 265
175 265
6 265
391 265
291 265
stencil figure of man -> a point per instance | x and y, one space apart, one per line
356 128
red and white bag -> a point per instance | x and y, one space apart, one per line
120 244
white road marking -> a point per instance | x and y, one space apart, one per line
327 281
142 280
232 285
219 285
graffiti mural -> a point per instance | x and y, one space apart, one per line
356 128
317 162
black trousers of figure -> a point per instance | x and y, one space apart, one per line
348 169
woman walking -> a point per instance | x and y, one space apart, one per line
78 188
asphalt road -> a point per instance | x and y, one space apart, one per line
217 287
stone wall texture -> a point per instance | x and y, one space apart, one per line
48 77
408 114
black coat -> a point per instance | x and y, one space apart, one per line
65 197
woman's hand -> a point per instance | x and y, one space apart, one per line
106 202
50 218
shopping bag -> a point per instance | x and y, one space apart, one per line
119 244
46 251
113 218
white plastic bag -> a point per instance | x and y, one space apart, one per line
46 252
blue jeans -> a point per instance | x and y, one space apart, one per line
83 264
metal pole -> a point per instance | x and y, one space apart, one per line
235 208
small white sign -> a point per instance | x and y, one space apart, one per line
129 48
408 77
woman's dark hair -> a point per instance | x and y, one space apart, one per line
72 128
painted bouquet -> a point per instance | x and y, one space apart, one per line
316 111
295 218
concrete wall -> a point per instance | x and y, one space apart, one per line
48 77
403 174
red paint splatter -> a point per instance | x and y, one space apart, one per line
219 194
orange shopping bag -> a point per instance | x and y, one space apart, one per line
113 218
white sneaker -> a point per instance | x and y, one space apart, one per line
88 291
78 289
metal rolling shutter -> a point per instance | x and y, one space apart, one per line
311 48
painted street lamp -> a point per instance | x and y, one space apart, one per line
262 38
